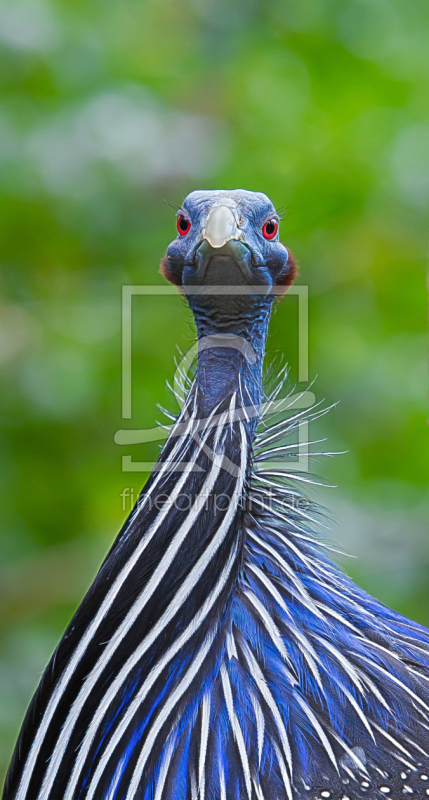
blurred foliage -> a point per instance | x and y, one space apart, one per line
107 108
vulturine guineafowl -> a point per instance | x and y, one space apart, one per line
220 654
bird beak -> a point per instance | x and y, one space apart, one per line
222 236
221 226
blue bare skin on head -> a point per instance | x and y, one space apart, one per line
262 261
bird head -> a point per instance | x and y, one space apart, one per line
228 238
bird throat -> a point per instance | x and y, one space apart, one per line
231 316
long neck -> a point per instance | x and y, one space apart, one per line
231 351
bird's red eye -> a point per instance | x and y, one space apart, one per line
270 228
183 225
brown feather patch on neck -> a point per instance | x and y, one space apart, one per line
289 274
168 271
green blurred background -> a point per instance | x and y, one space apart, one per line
106 109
